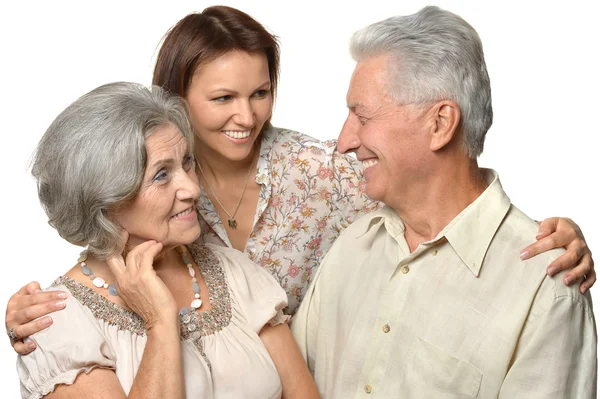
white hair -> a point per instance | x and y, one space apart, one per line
435 55
93 156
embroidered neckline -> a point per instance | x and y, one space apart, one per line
102 308
203 324
219 315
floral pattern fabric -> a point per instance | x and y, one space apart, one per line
309 194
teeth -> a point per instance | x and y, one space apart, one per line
186 212
369 162
237 135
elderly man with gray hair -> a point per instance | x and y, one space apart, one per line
433 300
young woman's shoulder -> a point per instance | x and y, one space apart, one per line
281 137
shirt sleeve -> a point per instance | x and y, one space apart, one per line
259 295
556 354
73 344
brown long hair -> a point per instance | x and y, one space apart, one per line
202 37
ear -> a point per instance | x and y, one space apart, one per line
445 117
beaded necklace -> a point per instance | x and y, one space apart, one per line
112 288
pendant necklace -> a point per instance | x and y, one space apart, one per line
231 221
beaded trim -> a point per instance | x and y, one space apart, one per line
102 308
193 326
219 316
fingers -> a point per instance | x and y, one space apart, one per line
116 265
566 261
566 237
32 288
147 257
144 252
542 245
16 303
27 314
583 268
23 348
547 227
588 282
134 258
27 330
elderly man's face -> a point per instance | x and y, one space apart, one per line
388 138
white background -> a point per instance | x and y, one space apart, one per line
540 56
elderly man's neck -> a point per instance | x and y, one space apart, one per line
436 200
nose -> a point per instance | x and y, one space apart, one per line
244 115
188 186
348 140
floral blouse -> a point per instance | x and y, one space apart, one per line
309 194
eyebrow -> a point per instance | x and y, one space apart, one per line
354 106
161 162
223 89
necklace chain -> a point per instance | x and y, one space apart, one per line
231 222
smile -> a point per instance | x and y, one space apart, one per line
369 162
237 135
183 213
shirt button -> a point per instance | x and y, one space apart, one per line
404 269
368 388
386 328
435 252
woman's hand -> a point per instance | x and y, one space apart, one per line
140 287
562 232
25 311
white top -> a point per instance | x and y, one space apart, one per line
460 317
223 356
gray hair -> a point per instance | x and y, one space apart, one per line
436 55
93 156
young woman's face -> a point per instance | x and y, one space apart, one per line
230 101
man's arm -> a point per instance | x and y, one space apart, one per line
556 353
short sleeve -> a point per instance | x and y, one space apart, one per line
71 345
258 294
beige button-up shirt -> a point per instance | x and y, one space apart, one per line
460 317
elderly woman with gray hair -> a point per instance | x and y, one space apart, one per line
149 315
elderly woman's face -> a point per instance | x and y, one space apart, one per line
164 208
230 101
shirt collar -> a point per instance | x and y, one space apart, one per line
470 232
384 216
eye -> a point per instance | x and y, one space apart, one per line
362 120
261 93
222 99
160 176
188 162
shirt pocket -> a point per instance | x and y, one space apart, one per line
435 369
